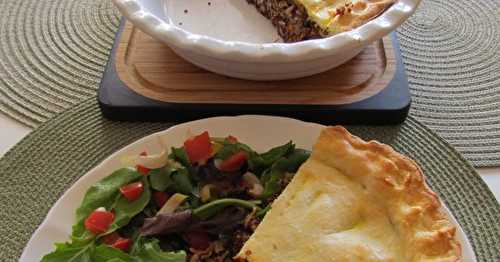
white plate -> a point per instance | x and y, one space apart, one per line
260 132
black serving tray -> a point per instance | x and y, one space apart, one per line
390 106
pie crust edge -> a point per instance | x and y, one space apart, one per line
425 228
372 9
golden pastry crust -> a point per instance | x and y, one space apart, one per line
356 13
413 206
336 16
393 198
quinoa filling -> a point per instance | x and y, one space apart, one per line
290 19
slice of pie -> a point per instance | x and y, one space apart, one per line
298 20
354 201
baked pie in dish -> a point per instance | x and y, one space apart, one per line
234 54
298 20
354 201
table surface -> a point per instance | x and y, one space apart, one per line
12 132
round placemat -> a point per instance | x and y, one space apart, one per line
49 160
451 50
53 53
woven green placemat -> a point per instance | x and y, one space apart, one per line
451 50
48 161
53 52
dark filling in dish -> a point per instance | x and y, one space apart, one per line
291 20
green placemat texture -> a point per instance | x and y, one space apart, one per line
53 52
48 161
451 50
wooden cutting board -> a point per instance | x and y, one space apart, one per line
146 76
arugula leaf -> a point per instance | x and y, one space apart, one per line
275 171
266 175
125 210
226 151
182 183
149 251
70 252
230 148
255 162
281 165
276 153
180 155
215 206
259 163
272 183
137 241
272 176
296 158
142 251
261 213
194 202
104 253
102 194
160 178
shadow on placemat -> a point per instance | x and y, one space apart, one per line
48 161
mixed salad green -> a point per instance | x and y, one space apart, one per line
201 202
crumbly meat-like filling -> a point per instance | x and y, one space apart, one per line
224 249
290 19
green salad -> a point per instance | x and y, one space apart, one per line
201 202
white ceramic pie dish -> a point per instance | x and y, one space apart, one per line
231 38
56 227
